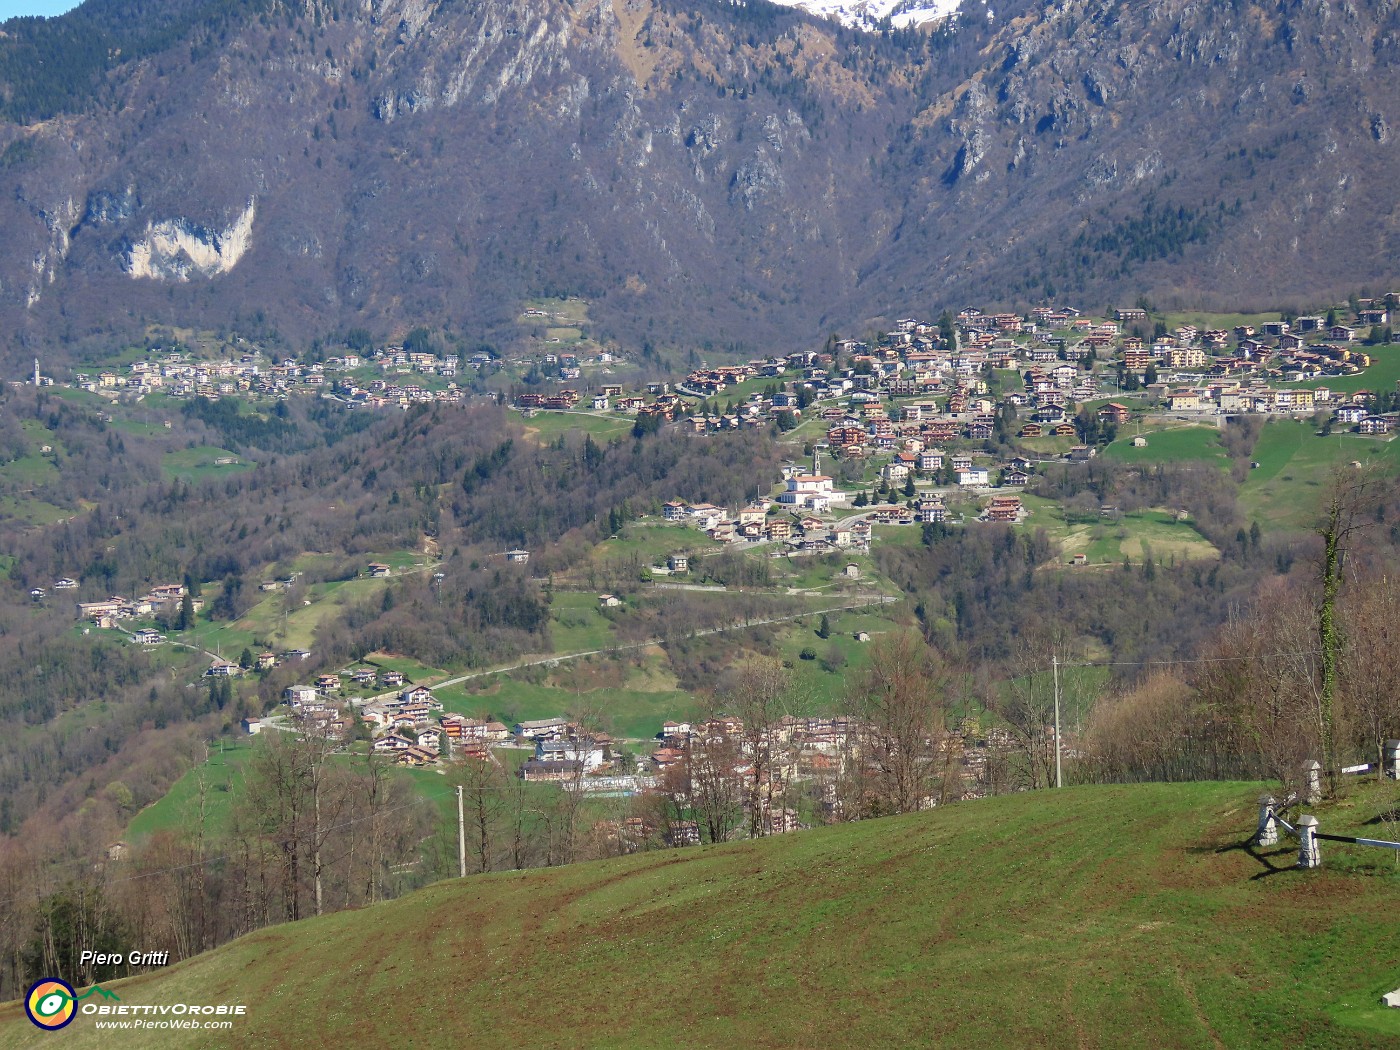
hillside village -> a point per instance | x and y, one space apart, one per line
980 375
922 416
928 424
795 757
951 377
370 381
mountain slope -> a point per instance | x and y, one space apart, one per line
1090 917
702 172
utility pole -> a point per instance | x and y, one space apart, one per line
1055 671
461 835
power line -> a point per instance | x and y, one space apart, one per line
1056 665
1197 660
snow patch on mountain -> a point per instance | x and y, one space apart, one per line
870 14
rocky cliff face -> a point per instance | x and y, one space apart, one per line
705 173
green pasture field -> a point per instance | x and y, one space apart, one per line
1114 916
33 511
647 698
1177 445
1210 321
197 464
1132 536
548 426
652 542
1381 376
1287 490
577 623
221 779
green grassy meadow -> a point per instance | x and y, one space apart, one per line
1207 321
1048 446
1287 488
820 683
1124 916
197 464
219 780
33 511
77 395
1382 375
548 426
228 639
628 699
1108 542
652 542
1171 446
35 467
294 626
577 623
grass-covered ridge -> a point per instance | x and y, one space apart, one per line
1103 917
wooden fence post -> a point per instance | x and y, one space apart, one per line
1267 833
1391 765
1312 778
1309 853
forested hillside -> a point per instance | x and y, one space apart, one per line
735 176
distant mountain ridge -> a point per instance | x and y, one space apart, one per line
707 174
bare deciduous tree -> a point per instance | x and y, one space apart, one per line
1260 677
758 692
484 796
1025 699
901 700
1370 665
1142 732
709 783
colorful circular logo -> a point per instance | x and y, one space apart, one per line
50 1003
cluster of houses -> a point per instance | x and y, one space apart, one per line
766 522
1356 410
1056 349
917 388
410 726
382 393
1064 358
566 753
795 519
62 584
946 385
347 377
162 600
221 668
823 748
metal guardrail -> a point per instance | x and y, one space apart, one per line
1306 831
